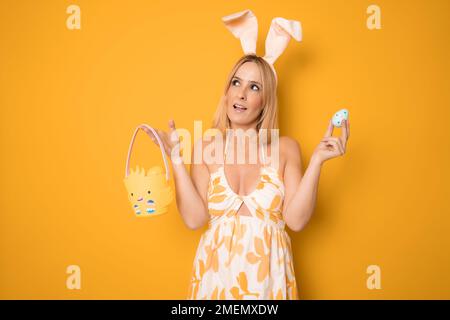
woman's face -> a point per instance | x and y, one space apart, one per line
244 97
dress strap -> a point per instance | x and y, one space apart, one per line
263 154
225 152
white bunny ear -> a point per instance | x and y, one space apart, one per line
243 25
280 33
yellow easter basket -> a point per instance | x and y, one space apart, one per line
148 191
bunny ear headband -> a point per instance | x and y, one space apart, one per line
243 25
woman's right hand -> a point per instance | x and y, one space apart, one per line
170 140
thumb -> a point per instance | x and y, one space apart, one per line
329 131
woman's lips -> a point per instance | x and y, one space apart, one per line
239 108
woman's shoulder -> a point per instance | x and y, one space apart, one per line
289 148
288 143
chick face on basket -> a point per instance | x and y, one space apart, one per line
148 193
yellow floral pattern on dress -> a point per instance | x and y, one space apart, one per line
244 257
238 292
233 244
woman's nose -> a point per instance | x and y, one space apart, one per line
242 94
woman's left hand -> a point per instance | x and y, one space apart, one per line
331 147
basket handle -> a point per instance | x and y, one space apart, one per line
161 147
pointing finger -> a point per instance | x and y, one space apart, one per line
348 129
344 134
173 131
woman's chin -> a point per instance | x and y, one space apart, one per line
237 118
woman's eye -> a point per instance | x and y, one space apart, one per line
253 86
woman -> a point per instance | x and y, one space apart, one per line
246 252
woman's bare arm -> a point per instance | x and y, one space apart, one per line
301 192
191 192
191 189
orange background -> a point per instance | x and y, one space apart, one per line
70 100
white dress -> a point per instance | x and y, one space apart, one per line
244 257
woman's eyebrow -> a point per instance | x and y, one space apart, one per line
249 81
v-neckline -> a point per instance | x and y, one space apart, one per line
227 184
259 180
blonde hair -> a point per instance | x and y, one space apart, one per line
268 118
